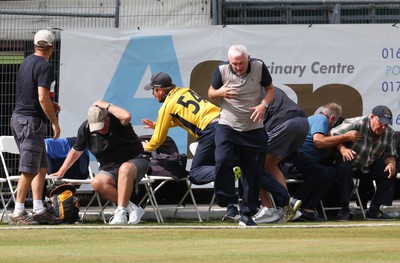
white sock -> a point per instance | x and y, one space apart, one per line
18 208
37 206
123 208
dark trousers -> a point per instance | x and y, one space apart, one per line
276 189
384 186
203 165
317 180
247 150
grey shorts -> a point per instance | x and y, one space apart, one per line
29 133
142 163
286 138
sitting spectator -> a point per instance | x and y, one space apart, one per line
109 136
373 157
286 125
309 162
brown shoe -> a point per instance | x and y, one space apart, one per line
44 218
22 219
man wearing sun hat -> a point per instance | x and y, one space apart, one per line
372 158
33 109
109 136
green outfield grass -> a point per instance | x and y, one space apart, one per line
207 242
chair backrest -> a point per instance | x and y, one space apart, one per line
193 147
8 145
57 150
168 146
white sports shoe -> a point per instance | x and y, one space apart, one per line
281 213
291 209
266 215
135 214
297 215
119 217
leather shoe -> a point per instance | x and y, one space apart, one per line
344 215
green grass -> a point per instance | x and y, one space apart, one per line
203 242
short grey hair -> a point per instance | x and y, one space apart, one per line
332 109
238 50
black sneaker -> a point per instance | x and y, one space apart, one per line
310 216
45 218
232 214
246 221
22 219
344 215
378 215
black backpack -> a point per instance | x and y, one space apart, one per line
62 202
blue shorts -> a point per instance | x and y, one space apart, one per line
29 133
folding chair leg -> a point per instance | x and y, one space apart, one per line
359 201
355 191
210 206
153 202
146 195
101 213
4 207
189 191
87 207
323 209
181 202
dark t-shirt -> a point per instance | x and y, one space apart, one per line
281 109
34 71
119 145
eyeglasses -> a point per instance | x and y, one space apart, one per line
380 123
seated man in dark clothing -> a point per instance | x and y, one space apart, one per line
109 136
309 162
372 158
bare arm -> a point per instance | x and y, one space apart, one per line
72 156
149 124
347 154
47 106
223 92
390 166
123 115
322 142
261 109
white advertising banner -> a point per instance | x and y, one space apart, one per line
357 66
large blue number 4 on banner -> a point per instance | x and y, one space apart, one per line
156 53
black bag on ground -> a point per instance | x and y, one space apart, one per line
62 202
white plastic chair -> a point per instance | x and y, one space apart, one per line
165 179
192 149
2 181
8 145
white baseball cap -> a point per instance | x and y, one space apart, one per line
96 118
44 38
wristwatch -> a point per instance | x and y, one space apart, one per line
109 105
264 104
